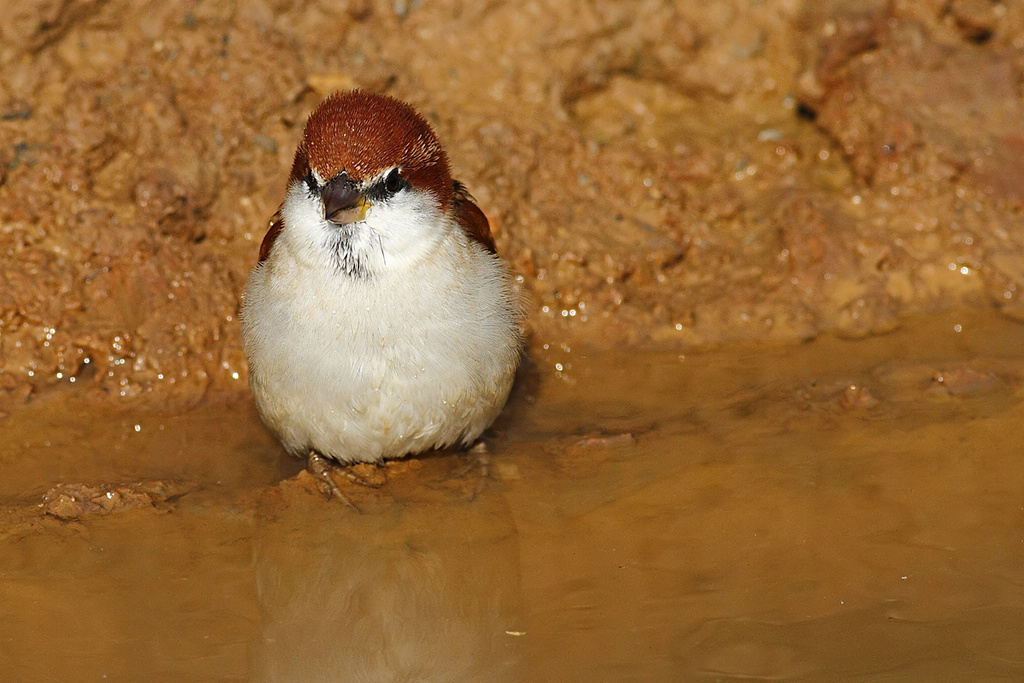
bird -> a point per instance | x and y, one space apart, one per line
379 321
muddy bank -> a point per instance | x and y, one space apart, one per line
666 174
677 489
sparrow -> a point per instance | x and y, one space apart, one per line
379 321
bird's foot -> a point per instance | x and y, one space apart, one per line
322 470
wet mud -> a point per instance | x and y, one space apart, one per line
658 174
769 423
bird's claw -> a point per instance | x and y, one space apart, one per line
321 469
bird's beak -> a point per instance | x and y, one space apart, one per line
343 202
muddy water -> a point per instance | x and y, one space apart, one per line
839 510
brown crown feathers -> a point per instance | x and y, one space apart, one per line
364 134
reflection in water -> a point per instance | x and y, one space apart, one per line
417 593
839 510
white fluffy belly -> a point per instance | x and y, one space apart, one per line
367 369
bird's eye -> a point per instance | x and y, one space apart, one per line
394 182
